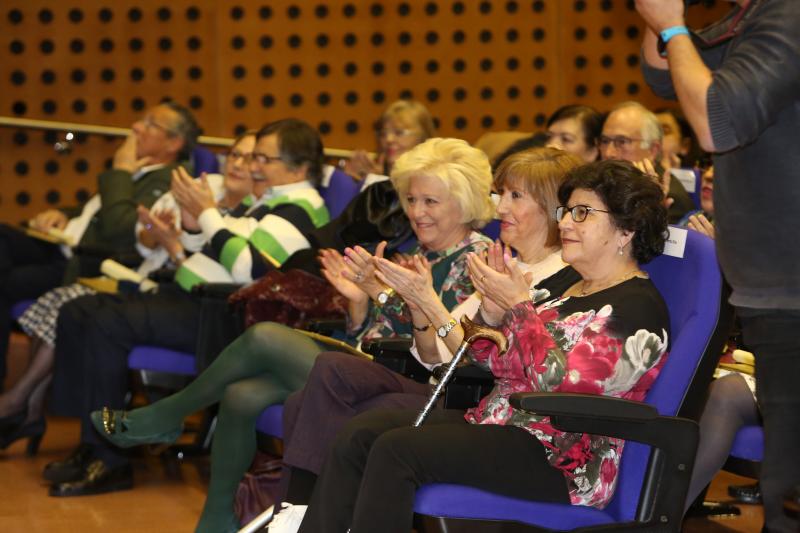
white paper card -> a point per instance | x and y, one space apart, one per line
687 178
676 242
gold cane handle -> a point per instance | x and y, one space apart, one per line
473 332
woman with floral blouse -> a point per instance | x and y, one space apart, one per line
444 187
598 326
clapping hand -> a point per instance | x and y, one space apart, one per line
499 280
360 164
340 275
362 268
411 278
193 196
160 227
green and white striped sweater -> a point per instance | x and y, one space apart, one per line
241 249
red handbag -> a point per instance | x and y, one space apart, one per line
290 298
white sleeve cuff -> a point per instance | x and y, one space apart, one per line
210 222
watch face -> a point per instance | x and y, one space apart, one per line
442 331
383 297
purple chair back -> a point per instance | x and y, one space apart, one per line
158 359
271 421
204 160
749 444
19 308
691 287
338 191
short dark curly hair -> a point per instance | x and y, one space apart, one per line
634 200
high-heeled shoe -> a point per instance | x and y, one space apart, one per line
33 431
116 427
7 423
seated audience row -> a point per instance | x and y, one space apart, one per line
443 188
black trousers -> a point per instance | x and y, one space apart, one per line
28 268
773 337
95 335
378 461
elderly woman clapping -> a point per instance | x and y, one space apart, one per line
598 326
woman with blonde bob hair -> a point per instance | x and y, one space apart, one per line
455 163
340 386
270 361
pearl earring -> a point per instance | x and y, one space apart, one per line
619 251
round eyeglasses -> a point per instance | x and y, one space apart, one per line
579 212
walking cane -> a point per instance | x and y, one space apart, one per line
472 332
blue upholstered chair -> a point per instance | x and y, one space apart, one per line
19 308
204 160
337 189
653 481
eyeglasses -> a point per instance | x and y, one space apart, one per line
235 155
620 142
264 159
397 133
579 212
149 122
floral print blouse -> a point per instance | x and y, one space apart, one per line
613 342
450 280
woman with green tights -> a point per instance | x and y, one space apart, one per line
443 185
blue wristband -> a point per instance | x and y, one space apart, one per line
668 34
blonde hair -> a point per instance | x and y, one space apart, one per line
412 112
540 172
464 171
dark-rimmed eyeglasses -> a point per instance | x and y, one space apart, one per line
264 159
579 212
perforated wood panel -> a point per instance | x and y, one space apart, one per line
478 65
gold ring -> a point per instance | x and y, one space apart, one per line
482 278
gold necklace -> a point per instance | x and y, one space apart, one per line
585 292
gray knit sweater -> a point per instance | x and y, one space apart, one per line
754 116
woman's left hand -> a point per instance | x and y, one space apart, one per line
414 284
506 289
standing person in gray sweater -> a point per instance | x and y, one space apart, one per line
740 90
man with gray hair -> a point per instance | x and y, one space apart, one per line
631 132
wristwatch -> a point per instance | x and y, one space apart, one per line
666 35
384 296
443 331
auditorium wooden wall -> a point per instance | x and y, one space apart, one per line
478 65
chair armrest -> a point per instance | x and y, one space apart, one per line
674 439
162 275
388 346
601 415
583 406
395 355
216 290
326 326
